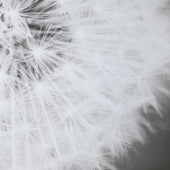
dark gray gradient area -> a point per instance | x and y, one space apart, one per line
155 154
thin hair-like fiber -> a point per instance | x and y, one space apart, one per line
74 77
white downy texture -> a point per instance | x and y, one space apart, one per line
74 75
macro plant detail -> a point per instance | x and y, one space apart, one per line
74 77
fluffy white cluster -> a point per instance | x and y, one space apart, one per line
74 75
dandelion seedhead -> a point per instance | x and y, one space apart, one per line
74 77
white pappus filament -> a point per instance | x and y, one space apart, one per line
74 77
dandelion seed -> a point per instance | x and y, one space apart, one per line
73 77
